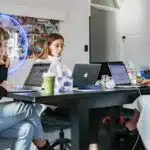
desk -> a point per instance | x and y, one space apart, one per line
79 103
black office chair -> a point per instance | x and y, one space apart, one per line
57 119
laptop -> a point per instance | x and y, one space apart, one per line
119 74
34 80
85 75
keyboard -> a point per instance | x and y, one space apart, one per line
20 89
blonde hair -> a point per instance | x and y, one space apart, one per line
3 35
50 39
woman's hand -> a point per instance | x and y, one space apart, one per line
139 80
145 81
4 59
7 61
2 62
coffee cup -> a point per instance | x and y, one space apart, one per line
49 83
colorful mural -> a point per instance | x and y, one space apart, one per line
36 29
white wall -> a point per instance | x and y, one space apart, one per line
43 9
75 25
52 4
76 32
133 22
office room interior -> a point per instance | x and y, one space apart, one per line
94 31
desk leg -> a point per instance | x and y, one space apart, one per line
80 125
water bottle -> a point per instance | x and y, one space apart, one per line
132 73
64 80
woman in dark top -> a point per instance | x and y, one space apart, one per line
18 120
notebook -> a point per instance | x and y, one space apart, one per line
34 79
85 75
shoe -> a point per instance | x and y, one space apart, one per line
46 147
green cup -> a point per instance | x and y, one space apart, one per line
49 83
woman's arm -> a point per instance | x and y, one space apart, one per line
3 89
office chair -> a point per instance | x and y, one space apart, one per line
59 118
64 143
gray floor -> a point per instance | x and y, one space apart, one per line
5 144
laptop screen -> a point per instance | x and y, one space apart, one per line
119 73
35 77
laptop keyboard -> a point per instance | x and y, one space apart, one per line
20 89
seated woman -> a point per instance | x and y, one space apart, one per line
18 120
52 53
140 118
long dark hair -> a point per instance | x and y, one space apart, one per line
50 39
